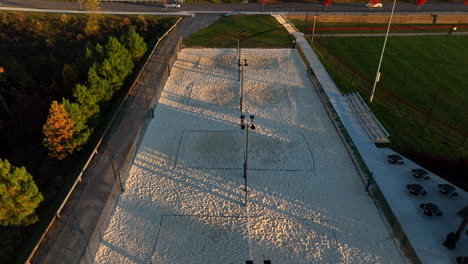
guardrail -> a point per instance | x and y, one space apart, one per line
98 144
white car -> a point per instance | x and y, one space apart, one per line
171 5
369 5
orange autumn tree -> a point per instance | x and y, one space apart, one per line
58 131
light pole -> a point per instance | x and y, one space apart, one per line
246 126
238 49
313 30
240 66
377 75
241 79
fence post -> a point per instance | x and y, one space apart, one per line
178 44
369 181
117 177
148 104
167 64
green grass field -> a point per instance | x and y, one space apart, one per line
428 72
359 28
255 32
305 1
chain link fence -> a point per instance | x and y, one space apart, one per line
426 118
75 232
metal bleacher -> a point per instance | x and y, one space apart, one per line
371 124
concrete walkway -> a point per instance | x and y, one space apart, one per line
425 234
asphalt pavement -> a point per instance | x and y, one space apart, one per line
141 6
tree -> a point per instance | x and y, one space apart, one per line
87 101
419 3
94 54
19 196
99 87
112 64
134 43
81 131
117 65
2 100
92 25
70 75
144 23
326 3
58 131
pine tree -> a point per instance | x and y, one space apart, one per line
81 130
117 65
87 100
112 64
134 43
19 196
58 131
99 86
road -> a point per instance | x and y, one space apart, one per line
224 8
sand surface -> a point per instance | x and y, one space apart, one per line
184 197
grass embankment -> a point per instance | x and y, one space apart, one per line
262 31
426 71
